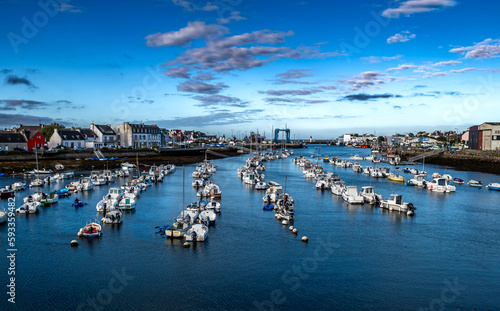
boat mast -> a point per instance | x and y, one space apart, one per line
36 158
183 176
137 160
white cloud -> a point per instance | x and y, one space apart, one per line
487 49
194 30
417 6
401 37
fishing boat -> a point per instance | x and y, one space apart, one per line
418 181
440 185
351 195
369 195
86 184
29 208
356 157
357 168
112 217
214 205
198 183
37 182
474 183
396 178
35 197
50 199
18 186
338 187
106 205
322 182
6 193
395 203
493 186
197 233
127 203
91 230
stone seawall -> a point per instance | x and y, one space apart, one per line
17 163
465 160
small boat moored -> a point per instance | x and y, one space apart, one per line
493 186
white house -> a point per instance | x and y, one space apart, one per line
68 138
89 136
106 136
137 135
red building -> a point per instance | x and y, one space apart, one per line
35 139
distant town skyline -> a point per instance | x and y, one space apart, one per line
321 68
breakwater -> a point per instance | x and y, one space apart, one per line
465 160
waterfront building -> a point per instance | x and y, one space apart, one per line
105 136
89 136
137 135
69 138
10 140
490 132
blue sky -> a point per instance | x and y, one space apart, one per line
321 68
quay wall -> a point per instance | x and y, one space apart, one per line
465 160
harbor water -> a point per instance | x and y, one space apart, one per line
359 257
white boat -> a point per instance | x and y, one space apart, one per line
493 186
74 186
357 168
99 181
440 185
213 205
42 172
35 197
3 216
197 233
447 177
351 195
376 173
108 175
178 229
86 184
322 182
272 193
375 160
59 167
418 181
369 195
127 166
37 182
30 207
50 199
67 175
395 203
114 193
18 186
107 205
367 170
208 216
261 185
369 158
112 217
338 187
127 203
356 157
198 183
91 230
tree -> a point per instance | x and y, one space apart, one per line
48 130
442 139
381 139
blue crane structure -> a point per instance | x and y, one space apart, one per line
277 131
